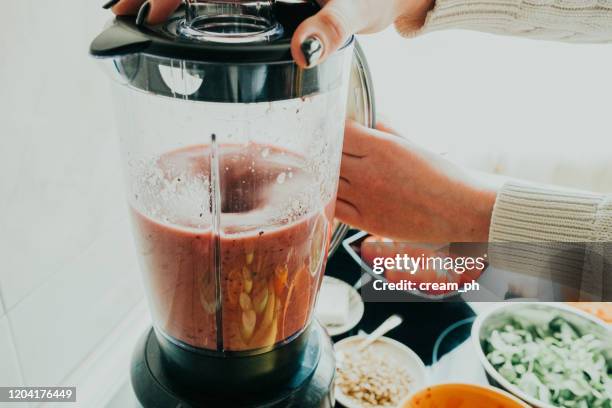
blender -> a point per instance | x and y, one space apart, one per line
231 156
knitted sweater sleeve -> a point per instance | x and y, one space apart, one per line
563 236
560 20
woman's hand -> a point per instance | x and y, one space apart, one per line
318 36
149 11
322 34
392 188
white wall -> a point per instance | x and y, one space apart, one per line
67 267
68 273
537 110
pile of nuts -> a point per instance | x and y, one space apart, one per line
372 380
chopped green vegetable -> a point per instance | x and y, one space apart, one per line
553 362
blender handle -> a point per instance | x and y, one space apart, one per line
366 108
361 108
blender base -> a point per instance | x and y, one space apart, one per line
310 387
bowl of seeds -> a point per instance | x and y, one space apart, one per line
381 375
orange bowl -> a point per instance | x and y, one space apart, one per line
462 396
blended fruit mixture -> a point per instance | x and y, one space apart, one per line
252 284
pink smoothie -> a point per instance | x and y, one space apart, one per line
272 244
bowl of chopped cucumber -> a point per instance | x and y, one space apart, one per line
550 355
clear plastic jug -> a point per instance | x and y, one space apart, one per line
231 154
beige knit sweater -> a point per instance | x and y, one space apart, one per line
528 220
560 20
542 215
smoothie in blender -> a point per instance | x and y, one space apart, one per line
248 280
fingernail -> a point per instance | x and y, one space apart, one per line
110 4
143 13
312 49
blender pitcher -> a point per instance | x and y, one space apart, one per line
231 154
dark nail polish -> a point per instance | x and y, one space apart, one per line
110 4
312 49
143 13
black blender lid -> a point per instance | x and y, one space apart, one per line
174 39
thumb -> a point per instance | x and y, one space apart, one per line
322 34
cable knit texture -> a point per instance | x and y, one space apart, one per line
560 20
524 213
535 218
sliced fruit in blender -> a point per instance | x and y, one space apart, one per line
245 302
267 330
249 251
207 299
265 336
249 319
260 299
281 273
234 286
247 279
268 313
297 303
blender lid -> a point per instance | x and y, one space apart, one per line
224 51
224 31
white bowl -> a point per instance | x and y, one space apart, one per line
394 350
495 316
